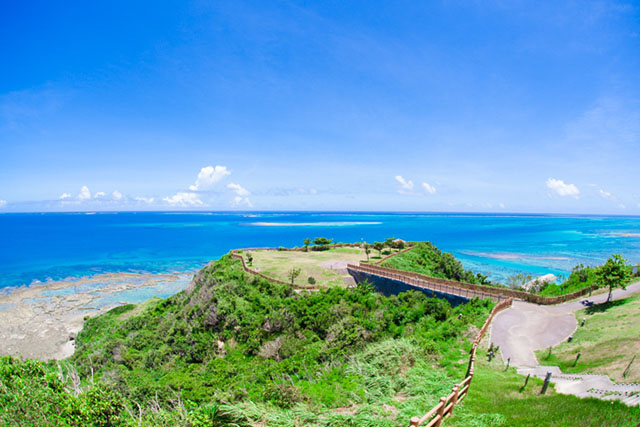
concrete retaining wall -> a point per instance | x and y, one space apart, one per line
389 287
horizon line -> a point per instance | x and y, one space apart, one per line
398 212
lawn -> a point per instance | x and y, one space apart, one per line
316 264
495 399
606 343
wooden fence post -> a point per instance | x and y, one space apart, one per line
626 371
415 422
526 380
443 404
546 383
454 400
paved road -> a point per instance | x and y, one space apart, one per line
525 328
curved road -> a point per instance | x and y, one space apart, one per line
525 328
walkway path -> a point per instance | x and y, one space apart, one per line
525 328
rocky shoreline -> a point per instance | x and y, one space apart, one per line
41 321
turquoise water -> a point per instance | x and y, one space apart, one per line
41 247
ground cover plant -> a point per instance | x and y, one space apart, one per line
236 349
607 342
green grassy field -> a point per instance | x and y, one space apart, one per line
607 342
495 400
277 264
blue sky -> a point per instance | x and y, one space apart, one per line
408 106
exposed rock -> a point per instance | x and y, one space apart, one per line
271 349
212 318
538 283
221 348
199 278
117 353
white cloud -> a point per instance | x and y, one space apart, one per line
561 188
116 195
144 199
405 186
429 188
241 195
208 176
238 189
99 194
606 195
84 193
183 199
65 196
3 203
239 201
501 205
313 191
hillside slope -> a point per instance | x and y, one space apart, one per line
257 351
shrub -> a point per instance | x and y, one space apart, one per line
311 280
283 395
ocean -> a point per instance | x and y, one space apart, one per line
54 246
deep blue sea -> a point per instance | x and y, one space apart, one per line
53 246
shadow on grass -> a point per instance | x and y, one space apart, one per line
601 308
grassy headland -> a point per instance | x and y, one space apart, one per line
312 264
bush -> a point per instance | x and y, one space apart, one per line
311 280
283 395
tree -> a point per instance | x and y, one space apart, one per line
307 242
379 246
249 259
518 281
613 273
321 243
581 273
293 273
367 249
389 242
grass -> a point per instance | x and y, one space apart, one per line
607 342
495 400
277 264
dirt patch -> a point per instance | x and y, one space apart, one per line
335 264
394 411
347 410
